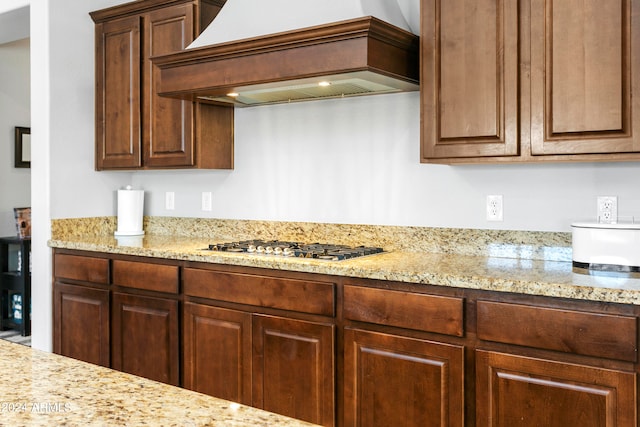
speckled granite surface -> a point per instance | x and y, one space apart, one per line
44 389
511 244
512 264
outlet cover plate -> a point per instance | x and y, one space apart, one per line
494 208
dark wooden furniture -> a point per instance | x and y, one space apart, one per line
135 127
353 352
546 81
119 314
15 279
282 361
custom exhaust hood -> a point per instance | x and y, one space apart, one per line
258 52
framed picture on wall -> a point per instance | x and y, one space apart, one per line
23 147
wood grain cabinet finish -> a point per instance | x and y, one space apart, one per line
293 368
217 352
145 338
81 268
135 127
522 391
430 313
568 331
469 78
540 80
147 276
393 380
81 325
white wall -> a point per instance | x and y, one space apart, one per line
350 161
15 183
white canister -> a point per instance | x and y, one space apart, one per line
130 207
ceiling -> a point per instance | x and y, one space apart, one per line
14 24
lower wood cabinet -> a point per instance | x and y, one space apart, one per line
349 352
145 337
217 352
514 391
392 380
81 323
293 368
274 363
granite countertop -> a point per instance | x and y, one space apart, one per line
44 389
497 273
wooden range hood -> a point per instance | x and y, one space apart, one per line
360 56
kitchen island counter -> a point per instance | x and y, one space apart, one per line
44 389
503 272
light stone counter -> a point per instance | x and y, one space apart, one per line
504 272
44 389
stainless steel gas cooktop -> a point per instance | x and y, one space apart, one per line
321 251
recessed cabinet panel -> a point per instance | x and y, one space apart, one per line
583 57
469 78
217 352
81 323
522 391
169 140
293 368
145 337
388 376
118 79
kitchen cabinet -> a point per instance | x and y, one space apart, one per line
145 330
522 390
217 352
343 351
145 327
15 284
117 313
81 319
135 127
548 81
386 374
271 361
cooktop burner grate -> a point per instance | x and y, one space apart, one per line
295 249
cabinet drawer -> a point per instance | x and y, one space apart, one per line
142 275
274 292
86 269
431 313
590 334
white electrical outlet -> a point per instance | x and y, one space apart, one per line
169 200
608 209
494 208
206 200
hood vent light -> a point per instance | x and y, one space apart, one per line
360 56
302 92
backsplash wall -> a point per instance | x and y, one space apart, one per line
356 161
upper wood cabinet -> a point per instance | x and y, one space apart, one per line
135 127
512 81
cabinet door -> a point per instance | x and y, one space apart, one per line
145 329
217 352
469 78
81 323
293 368
393 380
168 131
515 391
584 69
118 131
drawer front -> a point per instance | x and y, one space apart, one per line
142 275
590 334
85 269
431 313
286 294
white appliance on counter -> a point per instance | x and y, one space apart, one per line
606 247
